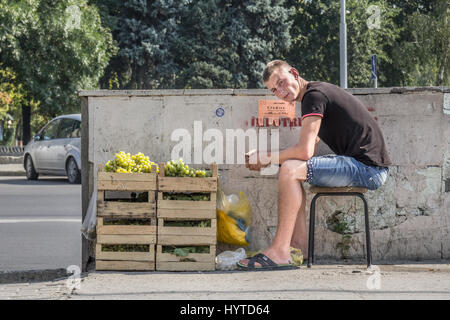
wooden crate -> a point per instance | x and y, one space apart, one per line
123 235
126 234
185 210
171 262
125 261
111 181
187 184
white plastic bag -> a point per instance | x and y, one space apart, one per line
90 220
227 260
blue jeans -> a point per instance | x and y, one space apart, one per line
343 171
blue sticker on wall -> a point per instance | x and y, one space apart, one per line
220 112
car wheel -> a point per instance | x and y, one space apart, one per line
73 173
30 170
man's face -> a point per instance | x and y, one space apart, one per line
283 84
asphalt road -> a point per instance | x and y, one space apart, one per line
40 223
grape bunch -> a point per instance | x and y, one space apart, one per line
127 163
180 169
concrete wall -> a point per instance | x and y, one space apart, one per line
410 215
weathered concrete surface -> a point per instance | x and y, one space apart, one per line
409 215
429 281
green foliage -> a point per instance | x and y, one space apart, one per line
184 251
315 34
55 49
125 247
126 222
231 46
421 56
11 94
339 223
194 44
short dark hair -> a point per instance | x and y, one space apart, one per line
272 66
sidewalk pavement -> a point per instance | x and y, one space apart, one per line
353 282
14 169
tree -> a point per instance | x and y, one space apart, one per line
315 48
55 49
232 45
421 54
194 44
12 96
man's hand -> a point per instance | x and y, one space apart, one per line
253 160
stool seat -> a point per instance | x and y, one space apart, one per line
315 189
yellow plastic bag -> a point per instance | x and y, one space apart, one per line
233 219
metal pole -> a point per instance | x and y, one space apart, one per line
373 61
343 47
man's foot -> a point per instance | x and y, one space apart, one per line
275 256
264 264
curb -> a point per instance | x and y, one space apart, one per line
32 275
12 173
11 160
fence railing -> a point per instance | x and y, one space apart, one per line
11 151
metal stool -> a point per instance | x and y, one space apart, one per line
341 191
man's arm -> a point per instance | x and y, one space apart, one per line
306 145
303 150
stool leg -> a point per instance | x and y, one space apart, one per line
366 214
312 218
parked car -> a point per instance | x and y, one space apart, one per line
56 149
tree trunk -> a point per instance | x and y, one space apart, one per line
26 128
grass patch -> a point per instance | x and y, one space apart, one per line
126 222
194 196
188 223
125 247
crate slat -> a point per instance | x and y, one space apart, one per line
128 185
185 266
109 265
113 209
126 239
127 230
185 204
192 214
119 176
171 262
114 181
125 256
187 184
187 235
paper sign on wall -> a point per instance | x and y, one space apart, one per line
273 110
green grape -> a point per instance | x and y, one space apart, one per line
127 163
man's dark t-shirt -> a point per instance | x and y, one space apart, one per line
347 126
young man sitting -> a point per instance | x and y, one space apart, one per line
340 120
